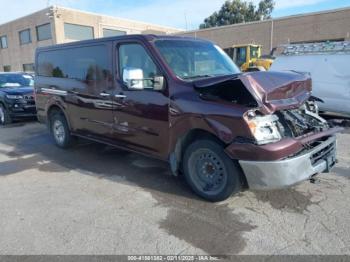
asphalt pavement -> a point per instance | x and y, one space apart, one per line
94 199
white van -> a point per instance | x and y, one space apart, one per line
328 64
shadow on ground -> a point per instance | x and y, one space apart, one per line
189 218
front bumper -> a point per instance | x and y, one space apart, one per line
21 109
265 175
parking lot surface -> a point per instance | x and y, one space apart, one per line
94 199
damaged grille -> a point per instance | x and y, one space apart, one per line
299 122
327 153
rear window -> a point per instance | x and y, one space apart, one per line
83 63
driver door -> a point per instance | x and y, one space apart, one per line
141 120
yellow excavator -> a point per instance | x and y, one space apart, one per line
248 57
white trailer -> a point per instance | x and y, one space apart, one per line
329 66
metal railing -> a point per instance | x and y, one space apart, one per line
316 48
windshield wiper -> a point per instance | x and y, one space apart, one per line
197 76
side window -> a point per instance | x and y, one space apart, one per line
51 64
133 57
85 64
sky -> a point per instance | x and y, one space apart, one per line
182 14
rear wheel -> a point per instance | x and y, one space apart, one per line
210 172
60 130
5 118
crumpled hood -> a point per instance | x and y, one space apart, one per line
272 90
17 90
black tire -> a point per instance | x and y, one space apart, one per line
5 118
210 172
59 130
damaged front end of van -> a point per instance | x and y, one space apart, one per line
288 141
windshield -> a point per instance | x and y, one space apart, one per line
192 59
16 80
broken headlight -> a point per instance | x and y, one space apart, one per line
265 129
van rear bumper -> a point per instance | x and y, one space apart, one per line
266 175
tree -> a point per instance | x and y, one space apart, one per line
238 11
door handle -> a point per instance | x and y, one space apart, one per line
120 96
104 94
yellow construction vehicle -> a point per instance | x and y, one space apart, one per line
248 57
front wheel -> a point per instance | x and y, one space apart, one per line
5 118
210 172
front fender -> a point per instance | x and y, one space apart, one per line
57 101
220 130
184 129
182 126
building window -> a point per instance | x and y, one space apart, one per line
78 32
112 32
3 41
43 32
89 63
24 37
28 67
7 68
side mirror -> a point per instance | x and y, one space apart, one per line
133 78
158 83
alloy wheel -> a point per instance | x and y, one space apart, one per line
59 131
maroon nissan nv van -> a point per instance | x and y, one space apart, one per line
184 101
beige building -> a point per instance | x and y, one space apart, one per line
55 25
312 27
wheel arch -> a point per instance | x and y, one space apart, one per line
185 130
56 108
178 151
2 101
184 141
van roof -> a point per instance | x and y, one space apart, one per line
15 73
148 37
